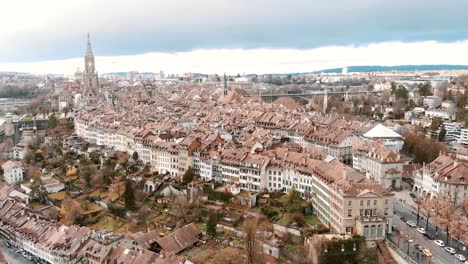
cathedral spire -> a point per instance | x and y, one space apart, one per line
89 50
225 85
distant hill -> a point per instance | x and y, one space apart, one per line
436 67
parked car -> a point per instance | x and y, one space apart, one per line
460 257
450 250
440 243
427 252
411 223
412 195
428 236
421 230
7 244
404 218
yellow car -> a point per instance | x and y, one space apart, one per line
427 252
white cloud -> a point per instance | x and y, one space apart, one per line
261 61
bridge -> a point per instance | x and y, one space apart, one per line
314 93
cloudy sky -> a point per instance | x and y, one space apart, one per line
252 36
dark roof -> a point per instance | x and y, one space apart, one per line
180 239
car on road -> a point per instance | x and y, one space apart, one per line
404 218
421 230
409 239
7 244
411 223
418 247
427 252
460 257
412 195
440 243
450 250
428 236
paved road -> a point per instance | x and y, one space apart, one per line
402 209
10 256
440 256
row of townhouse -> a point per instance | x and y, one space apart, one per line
335 190
446 176
156 150
60 244
48 241
343 198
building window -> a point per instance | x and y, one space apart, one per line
375 202
362 202
350 203
368 202
374 212
349 230
361 212
386 211
350 213
386 201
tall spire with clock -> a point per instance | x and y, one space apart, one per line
90 77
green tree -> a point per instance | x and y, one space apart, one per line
401 93
424 89
129 196
461 101
135 156
436 122
393 88
211 225
466 120
94 157
188 176
38 190
442 133
52 122
294 201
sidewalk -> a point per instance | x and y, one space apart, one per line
398 254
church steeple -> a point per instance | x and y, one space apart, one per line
90 77
89 58
225 85
89 50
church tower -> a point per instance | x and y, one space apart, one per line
325 102
90 77
225 85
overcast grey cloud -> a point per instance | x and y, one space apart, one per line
56 29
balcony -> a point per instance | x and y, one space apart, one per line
371 219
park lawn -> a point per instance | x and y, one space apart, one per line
285 220
93 208
312 220
58 196
36 205
110 223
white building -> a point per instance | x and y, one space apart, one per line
452 131
12 172
51 185
391 139
463 139
19 151
432 101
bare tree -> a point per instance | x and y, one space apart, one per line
253 245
